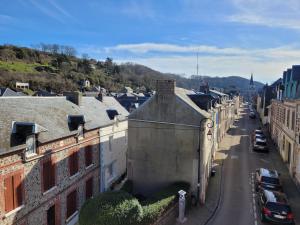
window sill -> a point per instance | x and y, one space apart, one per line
72 216
74 175
90 166
13 211
51 189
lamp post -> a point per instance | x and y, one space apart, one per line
200 153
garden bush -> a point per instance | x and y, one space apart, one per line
161 201
111 208
120 207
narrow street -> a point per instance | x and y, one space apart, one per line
237 204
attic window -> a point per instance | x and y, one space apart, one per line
21 130
112 113
75 121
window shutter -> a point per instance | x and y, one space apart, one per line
71 203
88 155
8 194
75 162
89 188
52 175
17 190
46 177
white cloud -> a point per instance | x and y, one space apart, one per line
272 13
53 10
267 64
5 19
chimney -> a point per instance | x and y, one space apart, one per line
165 87
100 96
73 96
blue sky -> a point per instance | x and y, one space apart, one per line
233 37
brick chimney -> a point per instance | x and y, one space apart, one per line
74 96
165 87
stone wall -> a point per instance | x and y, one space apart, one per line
35 202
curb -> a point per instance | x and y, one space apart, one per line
219 197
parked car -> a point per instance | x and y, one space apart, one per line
252 115
267 179
273 207
260 144
260 136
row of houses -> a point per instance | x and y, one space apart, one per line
57 152
173 137
279 109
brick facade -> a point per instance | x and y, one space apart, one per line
36 202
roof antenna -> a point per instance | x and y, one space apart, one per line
197 63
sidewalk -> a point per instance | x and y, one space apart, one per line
199 215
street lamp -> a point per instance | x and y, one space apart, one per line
200 153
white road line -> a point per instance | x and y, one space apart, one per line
255 222
266 161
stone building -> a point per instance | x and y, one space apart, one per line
49 157
164 139
291 83
285 128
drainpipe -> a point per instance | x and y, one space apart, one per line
200 157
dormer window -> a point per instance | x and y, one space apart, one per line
112 113
75 122
25 133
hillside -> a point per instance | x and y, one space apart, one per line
56 68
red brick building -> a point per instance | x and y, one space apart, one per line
49 160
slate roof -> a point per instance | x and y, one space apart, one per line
52 113
6 92
183 94
217 92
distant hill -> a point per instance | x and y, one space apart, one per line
56 68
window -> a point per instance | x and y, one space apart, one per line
48 175
71 203
88 155
112 113
89 188
288 118
293 120
13 192
51 215
74 121
73 163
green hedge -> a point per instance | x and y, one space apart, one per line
111 208
120 208
161 201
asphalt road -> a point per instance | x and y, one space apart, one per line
237 205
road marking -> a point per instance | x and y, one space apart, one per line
264 160
234 157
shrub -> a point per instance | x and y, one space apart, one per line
161 201
111 208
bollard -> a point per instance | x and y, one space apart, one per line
181 218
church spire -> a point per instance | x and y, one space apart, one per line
251 80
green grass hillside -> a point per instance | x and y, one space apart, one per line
56 68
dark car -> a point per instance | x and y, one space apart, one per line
267 179
252 115
273 207
260 144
